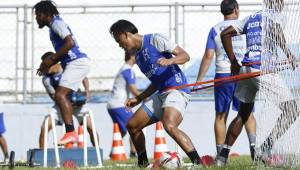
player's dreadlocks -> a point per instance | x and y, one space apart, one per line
47 7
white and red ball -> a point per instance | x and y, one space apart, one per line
169 160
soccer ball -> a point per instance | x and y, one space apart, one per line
169 160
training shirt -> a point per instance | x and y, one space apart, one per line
214 42
51 82
154 47
252 27
120 91
58 31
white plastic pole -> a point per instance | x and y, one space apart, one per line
95 139
85 157
46 142
55 142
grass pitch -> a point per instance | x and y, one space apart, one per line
236 163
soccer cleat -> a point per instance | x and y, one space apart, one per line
68 145
195 166
6 160
220 161
252 152
69 137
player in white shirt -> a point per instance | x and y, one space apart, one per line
224 94
124 87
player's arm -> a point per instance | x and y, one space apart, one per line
61 29
205 63
68 44
86 86
226 37
208 55
135 101
180 56
163 44
278 35
49 88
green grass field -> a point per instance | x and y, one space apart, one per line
236 163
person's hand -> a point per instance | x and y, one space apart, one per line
235 68
132 102
165 62
44 66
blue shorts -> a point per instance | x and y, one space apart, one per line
224 95
2 126
121 116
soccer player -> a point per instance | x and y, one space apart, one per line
224 94
3 143
75 63
158 58
124 87
50 82
247 89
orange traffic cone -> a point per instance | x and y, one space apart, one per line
80 137
118 150
160 141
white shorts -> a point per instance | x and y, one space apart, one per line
77 112
274 87
173 98
74 73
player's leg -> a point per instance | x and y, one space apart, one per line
250 127
290 112
64 103
132 149
235 128
42 133
3 143
220 129
90 131
223 97
174 105
4 148
246 92
143 117
121 116
71 79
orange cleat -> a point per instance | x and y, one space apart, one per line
68 139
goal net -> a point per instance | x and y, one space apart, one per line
278 120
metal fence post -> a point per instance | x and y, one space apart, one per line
176 23
25 55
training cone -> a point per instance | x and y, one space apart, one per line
118 150
160 141
80 137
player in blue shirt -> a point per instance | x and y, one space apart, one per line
158 58
124 87
74 62
78 99
224 94
246 90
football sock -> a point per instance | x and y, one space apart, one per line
69 127
225 151
142 159
194 156
219 148
252 141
